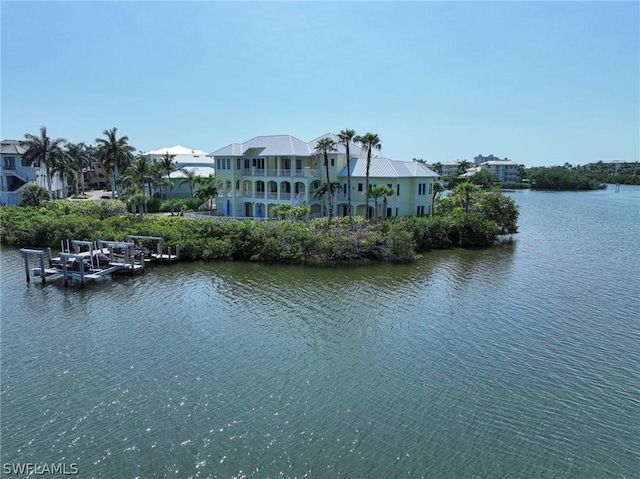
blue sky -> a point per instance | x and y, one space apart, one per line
542 83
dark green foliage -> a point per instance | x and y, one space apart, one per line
177 204
562 178
396 239
33 195
429 232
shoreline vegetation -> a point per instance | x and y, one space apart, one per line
468 217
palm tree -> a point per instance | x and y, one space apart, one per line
78 154
43 150
437 167
207 188
141 171
378 192
468 190
463 167
64 167
114 153
323 147
437 188
346 137
319 193
168 164
190 177
368 141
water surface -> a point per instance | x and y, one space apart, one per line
515 361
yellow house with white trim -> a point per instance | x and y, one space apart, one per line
265 171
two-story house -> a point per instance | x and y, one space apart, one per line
265 171
15 176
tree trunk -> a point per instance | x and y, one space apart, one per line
366 209
348 182
329 189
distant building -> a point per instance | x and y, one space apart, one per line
449 166
505 170
478 160
15 176
186 159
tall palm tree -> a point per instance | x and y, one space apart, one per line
368 141
346 136
43 150
114 153
323 147
79 157
141 172
65 169
167 164
190 177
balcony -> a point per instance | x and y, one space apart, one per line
284 172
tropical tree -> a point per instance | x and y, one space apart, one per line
141 171
467 191
64 168
463 166
346 136
369 141
207 188
437 188
319 193
190 177
32 195
43 150
167 164
323 147
80 158
377 192
437 166
115 154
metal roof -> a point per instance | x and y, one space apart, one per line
176 150
270 145
341 149
200 171
280 145
382 167
12 147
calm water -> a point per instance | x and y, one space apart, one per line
519 361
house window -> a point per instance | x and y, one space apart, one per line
238 163
398 190
388 212
333 162
359 186
228 163
430 189
9 163
420 210
421 189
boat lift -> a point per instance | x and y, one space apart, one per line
158 256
